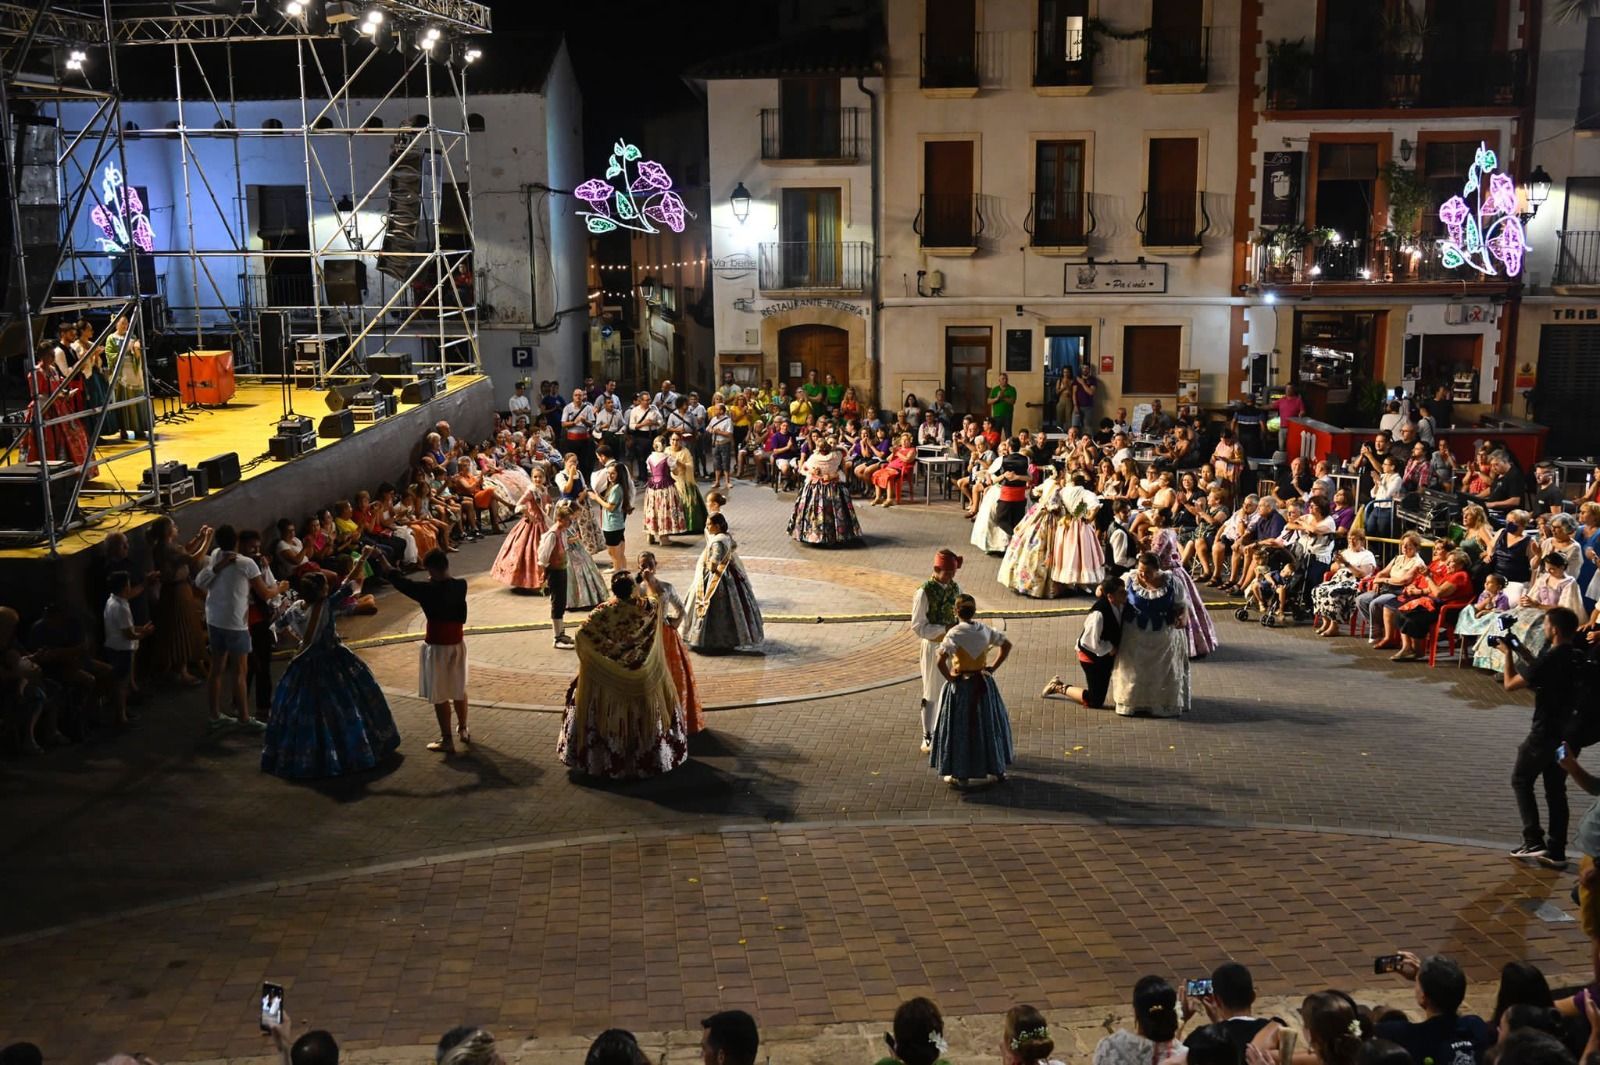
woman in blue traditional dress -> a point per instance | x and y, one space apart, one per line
1151 677
329 716
972 739
586 589
823 513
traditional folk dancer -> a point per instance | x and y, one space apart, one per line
721 613
1097 647
973 736
933 612
1027 565
1151 675
574 487
694 505
517 563
623 719
552 560
663 507
329 716
823 513
442 665
1078 561
65 442
1199 630
664 597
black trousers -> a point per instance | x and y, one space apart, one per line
556 588
584 449
258 668
1536 760
1096 678
1008 513
640 444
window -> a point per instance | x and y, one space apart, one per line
1177 50
950 44
808 118
948 215
1150 357
1344 192
1172 202
809 224
1058 193
1059 55
1442 167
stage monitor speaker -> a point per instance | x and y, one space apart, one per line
389 365
344 281
222 470
202 481
341 396
338 425
420 391
20 499
275 337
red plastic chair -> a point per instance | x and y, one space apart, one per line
1446 623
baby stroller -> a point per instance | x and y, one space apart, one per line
1282 583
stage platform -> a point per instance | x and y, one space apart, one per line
266 491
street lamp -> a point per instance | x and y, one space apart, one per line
647 289
1539 184
740 201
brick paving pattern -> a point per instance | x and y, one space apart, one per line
801 926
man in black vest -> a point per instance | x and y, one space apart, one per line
1097 647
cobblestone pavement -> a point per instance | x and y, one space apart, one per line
1288 732
807 926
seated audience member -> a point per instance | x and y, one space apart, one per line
61 647
1155 1021
1025 1038
1229 1006
1445 1034
918 1034
614 1046
729 1038
1429 597
1528 1046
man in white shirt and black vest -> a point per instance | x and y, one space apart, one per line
577 427
1097 647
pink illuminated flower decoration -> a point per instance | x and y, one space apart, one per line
651 176
1502 198
597 193
102 218
668 209
1453 213
143 236
1508 244
135 204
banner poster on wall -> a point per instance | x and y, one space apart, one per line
1280 188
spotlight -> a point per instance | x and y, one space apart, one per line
294 8
76 58
430 37
472 55
374 16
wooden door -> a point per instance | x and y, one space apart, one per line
947 201
1170 215
808 113
823 348
968 352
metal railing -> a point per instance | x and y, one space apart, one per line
1379 82
948 221
809 266
1177 58
833 133
1066 64
950 68
1173 220
1056 220
1577 257
1358 261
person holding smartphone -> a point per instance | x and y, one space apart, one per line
1552 677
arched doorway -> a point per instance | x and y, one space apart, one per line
823 348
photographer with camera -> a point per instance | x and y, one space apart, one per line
1553 678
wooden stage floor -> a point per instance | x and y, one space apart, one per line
242 426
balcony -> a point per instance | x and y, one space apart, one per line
1060 225
1177 62
950 71
842 267
1352 266
1173 224
1064 68
832 136
1380 83
949 225
1577 260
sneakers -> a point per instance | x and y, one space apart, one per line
562 641
1552 860
1529 852
255 724
927 744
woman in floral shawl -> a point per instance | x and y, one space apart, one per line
624 719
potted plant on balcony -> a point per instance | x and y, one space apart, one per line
1408 198
1404 32
1285 246
1288 73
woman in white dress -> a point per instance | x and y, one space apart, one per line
1151 677
987 535
1078 560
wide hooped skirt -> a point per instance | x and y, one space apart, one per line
973 736
329 717
824 515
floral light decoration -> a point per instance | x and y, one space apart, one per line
641 201
1490 232
121 217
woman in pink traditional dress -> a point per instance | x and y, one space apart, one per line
1077 559
1164 543
663 506
66 441
517 564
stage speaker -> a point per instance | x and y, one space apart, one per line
338 425
202 480
344 281
32 179
420 391
389 365
341 396
20 499
275 337
222 470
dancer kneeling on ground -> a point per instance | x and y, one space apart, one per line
1097 647
1151 676
329 716
972 739
623 720
721 613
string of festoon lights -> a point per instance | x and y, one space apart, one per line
679 263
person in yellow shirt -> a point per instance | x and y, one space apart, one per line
800 410
763 396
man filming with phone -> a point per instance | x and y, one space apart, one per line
1553 678
1228 1003
1446 1036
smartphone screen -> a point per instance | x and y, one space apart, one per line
1387 963
1197 988
271 1005
1561 753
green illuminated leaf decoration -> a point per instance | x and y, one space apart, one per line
631 152
597 224
624 205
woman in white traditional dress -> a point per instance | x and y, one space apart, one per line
1151 677
1026 568
1079 560
987 535
721 613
